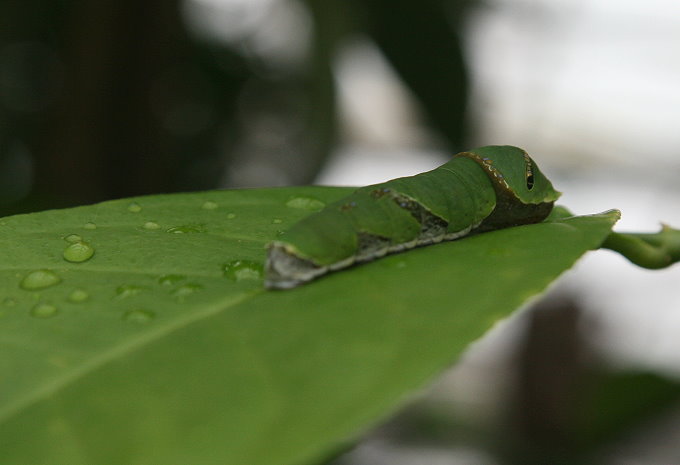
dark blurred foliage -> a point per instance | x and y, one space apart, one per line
116 98
568 408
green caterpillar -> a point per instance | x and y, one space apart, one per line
481 190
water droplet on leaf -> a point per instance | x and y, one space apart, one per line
44 310
138 316
239 270
277 221
78 252
231 216
78 295
170 279
39 279
128 290
186 229
306 203
151 225
90 225
9 302
209 205
134 207
186 290
73 238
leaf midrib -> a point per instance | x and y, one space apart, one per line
60 382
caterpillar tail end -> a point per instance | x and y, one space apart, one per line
284 270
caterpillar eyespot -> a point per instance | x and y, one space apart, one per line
530 181
530 172
480 190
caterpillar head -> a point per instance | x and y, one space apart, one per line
513 171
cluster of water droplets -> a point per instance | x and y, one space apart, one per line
38 280
78 250
41 279
34 281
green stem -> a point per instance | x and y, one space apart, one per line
648 250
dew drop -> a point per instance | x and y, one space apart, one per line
209 205
186 290
239 270
78 252
231 216
306 203
170 279
73 238
39 279
44 310
138 316
277 221
128 290
9 302
151 225
134 207
186 229
78 295
90 225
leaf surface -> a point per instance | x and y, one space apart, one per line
163 346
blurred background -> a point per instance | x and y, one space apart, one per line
115 98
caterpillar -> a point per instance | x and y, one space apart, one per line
480 190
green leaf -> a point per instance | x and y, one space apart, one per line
162 347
